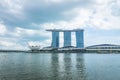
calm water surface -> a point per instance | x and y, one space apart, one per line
62 66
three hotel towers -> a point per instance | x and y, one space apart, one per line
67 37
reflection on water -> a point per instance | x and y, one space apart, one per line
66 72
55 66
67 65
80 67
62 66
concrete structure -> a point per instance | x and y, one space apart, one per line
55 39
104 47
79 39
67 37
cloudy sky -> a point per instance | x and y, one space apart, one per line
23 21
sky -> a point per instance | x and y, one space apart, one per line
26 21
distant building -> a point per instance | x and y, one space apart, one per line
67 37
55 39
79 39
104 47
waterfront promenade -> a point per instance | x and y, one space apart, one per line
67 51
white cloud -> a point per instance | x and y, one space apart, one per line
6 43
61 1
103 17
102 40
61 41
12 7
19 32
54 1
12 45
3 29
14 42
100 16
82 16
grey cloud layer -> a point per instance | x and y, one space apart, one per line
23 13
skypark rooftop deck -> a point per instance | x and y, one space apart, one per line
63 30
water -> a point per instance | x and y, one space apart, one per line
62 66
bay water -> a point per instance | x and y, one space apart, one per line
59 66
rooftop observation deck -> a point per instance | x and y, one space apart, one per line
63 30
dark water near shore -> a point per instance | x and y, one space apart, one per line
62 66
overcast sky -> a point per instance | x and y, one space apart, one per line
23 21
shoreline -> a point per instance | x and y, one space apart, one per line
65 51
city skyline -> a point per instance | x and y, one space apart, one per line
23 22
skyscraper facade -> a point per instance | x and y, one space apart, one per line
79 39
55 39
67 38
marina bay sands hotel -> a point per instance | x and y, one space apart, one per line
67 37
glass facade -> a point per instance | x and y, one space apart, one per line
79 39
67 38
55 39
